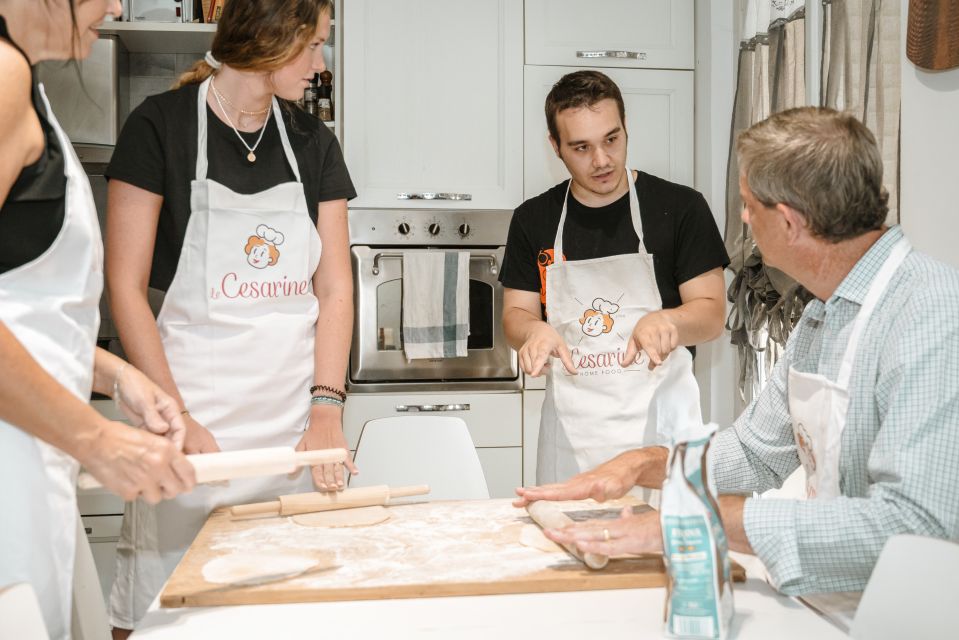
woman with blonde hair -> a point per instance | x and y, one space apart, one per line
51 276
253 348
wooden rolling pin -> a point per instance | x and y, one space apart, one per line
548 516
214 467
310 502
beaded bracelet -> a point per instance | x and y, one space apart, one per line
336 402
322 387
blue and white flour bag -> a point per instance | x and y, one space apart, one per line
699 596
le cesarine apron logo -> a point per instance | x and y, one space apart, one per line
262 252
597 320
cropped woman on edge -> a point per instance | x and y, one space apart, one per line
51 276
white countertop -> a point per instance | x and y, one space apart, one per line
761 614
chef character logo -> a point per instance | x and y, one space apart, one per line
599 319
261 251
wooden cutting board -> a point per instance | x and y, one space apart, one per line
424 550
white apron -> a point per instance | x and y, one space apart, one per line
52 306
605 409
238 326
818 406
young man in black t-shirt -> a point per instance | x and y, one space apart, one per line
586 120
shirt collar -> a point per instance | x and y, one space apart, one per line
856 283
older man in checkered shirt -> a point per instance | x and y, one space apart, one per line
868 384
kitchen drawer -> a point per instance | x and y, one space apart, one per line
493 419
100 528
503 468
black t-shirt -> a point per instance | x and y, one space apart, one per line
32 214
678 228
157 149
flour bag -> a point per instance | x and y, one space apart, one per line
699 596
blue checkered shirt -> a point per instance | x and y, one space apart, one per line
899 465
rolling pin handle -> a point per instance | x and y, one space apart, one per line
271 508
319 456
403 492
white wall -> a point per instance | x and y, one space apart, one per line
929 171
717 49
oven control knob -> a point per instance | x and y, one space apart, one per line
434 229
404 228
464 230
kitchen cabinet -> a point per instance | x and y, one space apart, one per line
654 34
431 102
532 409
494 421
659 121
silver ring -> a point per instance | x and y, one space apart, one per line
606 535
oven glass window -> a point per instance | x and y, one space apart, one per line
389 316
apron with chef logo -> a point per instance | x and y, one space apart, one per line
51 305
238 327
818 406
606 409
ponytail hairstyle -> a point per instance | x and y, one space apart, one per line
259 35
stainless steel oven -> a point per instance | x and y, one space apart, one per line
377 360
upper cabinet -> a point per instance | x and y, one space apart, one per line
659 121
655 34
432 102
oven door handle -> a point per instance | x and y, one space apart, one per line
384 255
405 408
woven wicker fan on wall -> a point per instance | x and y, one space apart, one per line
932 34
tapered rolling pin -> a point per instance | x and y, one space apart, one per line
227 465
309 502
548 516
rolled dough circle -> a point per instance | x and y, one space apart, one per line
357 517
256 568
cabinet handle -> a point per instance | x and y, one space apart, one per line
432 195
408 408
384 255
636 55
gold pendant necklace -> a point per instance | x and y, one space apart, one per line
251 156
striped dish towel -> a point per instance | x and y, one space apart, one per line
436 303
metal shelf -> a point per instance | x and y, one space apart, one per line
162 37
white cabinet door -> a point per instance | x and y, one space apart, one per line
656 34
431 101
532 408
659 121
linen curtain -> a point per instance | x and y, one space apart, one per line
859 73
766 303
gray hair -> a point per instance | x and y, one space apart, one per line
823 163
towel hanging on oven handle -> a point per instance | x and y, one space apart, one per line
493 266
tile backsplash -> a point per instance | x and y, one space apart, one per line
152 73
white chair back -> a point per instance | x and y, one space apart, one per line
409 450
20 615
912 592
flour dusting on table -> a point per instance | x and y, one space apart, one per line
422 543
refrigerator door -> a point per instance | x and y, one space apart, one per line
89 96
